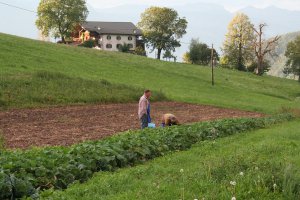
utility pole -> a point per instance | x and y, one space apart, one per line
212 66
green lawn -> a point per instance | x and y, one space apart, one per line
77 76
264 164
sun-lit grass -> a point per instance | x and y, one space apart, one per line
51 88
262 164
21 59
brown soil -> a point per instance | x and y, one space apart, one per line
73 124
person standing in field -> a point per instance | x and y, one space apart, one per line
144 109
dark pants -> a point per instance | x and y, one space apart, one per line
144 121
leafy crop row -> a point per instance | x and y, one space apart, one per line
25 173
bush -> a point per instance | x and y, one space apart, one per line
125 48
58 167
140 51
88 44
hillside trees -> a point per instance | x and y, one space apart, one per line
293 55
238 45
162 29
199 53
245 47
186 58
168 56
263 47
60 17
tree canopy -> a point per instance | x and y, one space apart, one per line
162 29
293 55
199 53
238 45
60 17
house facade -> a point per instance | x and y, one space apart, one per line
109 36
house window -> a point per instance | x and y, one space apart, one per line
108 37
129 38
130 46
118 46
108 46
119 37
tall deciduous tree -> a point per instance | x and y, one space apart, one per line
162 29
200 53
60 17
238 45
293 55
262 47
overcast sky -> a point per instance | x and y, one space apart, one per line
231 5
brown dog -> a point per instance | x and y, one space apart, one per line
169 120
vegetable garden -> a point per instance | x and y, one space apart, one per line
25 173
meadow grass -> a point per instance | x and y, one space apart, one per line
34 74
80 70
262 164
44 88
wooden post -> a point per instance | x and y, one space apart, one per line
212 65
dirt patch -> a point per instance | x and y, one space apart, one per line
73 124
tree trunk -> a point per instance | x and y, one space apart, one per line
63 39
260 57
240 58
260 70
159 53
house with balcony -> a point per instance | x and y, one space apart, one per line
109 36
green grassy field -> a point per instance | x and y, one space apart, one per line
264 164
34 74
80 76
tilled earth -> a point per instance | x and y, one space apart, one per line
73 124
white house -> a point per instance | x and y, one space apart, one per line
110 35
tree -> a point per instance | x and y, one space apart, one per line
263 47
265 67
168 56
162 28
186 58
60 17
293 55
238 45
199 53
224 62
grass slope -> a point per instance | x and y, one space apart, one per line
81 71
268 159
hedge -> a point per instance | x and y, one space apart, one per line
25 173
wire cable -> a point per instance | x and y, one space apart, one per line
20 8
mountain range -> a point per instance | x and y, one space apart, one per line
278 62
207 21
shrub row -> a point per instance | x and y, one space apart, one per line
25 173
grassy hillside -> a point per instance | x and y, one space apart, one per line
39 74
264 164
